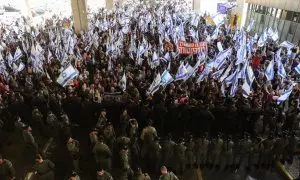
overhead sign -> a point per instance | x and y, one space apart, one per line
192 48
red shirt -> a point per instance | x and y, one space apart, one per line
256 61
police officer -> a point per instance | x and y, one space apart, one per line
94 136
133 128
256 150
102 154
168 151
52 125
29 139
74 176
124 122
165 175
190 151
37 121
246 144
7 171
65 126
202 145
139 175
228 152
217 150
44 169
148 133
109 134
268 145
180 154
101 120
126 171
73 149
103 175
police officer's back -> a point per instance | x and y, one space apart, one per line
139 175
165 175
7 171
103 175
44 169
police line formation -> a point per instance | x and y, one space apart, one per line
156 40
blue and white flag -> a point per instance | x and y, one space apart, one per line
250 25
221 58
220 47
10 59
226 73
234 85
181 72
155 59
18 54
262 39
66 76
231 79
190 70
255 37
248 82
287 45
122 83
269 72
285 95
217 74
297 68
281 70
218 20
155 84
49 57
166 78
167 57
241 54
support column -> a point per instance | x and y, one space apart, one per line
79 11
196 6
109 4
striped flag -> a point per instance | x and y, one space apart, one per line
285 95
249 78
269 72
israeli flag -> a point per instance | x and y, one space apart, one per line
255 37
18 54
190 70
166 78
269 73
248 82
181 72
66 76
167 57
287 45
231 79
250 25
281 70
49 57
241 54
220 47
297 68
155 84
226 73
10 59
285 95
155 59
218 20
262 39
221 58
122 83
217 74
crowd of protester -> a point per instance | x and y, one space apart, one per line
209 126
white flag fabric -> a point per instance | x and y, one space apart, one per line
181 72
66 76
285 95
269 72
262 39
122 83
21 67
287 45
249 78
18 54
166 78
220 47
250 25
155 84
